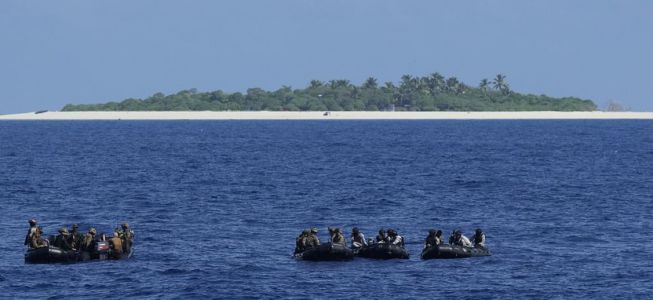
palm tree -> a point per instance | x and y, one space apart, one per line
315 84
370 83
500 84
484 85
452 84
436 83
406 81
389 86
342 83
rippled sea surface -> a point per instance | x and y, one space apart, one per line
567 206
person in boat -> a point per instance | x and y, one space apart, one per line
31 232
127 237
61 241
381 237
479 238
312 240
300 242
75 237
115 243
36 241
88 242
461 240
357 238
433 239
394 238
337 237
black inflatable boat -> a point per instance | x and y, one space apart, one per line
382 251
327 251
51 254
448 251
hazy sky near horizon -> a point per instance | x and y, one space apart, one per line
58 52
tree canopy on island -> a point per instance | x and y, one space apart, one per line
428 93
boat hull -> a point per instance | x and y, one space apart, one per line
53 255
450 252
327 252
383 251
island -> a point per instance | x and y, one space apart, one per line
430 93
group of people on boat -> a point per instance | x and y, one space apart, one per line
308 238
456 238
74 240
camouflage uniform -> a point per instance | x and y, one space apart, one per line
75 237
88 242
61 241
301 241
127 237
337 237
31 233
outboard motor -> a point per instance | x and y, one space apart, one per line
102 249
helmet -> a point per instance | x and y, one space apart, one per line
391 232
314 230
439 232
355 230
32 222
306 231
63 230
337 230
381 231
125 225
478 230
75 226
432 232
92 231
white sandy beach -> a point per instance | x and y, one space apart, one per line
321 115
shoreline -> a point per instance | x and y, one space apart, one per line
322 115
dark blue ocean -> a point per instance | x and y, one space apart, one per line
567 206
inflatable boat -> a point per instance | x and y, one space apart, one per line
382 251
448 251
51 254
327 251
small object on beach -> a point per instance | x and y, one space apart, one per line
41 111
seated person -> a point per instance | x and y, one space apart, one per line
88 242
300 242
461 240
433 239
36 241
313 240
381 237
61 241
479 238
337 237
357 238
394 238
115 243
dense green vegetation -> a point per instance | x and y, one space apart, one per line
428 93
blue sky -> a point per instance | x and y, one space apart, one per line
58 52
